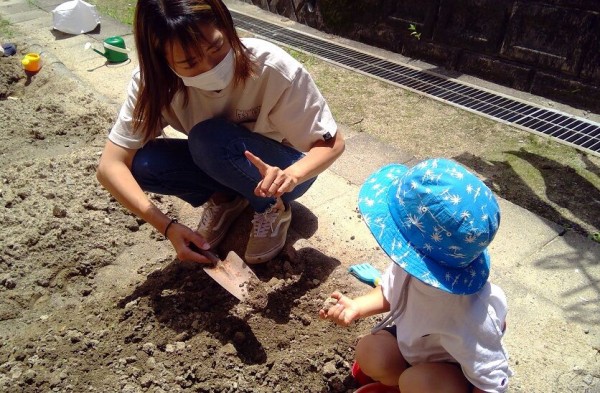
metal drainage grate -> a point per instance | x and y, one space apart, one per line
568 129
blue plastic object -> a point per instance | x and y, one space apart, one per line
366 273
9 49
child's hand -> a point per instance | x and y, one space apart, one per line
342 311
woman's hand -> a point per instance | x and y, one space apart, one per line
275 181
186 243
343 311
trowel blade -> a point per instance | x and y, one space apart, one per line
232 273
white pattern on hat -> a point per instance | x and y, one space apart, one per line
435 220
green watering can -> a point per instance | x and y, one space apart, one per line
114 49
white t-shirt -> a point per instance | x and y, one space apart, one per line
437 326
282 102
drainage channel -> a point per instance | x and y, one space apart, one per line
568 129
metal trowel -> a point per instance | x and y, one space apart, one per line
232 273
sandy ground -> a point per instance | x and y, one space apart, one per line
92 299
64 327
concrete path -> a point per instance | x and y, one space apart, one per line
551 277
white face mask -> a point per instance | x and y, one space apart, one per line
214 79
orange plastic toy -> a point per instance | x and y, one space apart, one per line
32 62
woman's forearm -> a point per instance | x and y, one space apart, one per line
115 175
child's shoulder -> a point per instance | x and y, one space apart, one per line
493 296
494 291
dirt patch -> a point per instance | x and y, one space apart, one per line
258 298
73 315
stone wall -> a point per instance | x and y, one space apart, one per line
550 48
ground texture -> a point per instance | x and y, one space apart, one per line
93 299
63 328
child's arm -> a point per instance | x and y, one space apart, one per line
346 310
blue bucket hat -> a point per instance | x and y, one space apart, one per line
435 220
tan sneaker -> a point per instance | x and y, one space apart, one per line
269 231
216 219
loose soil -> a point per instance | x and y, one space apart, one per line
71 320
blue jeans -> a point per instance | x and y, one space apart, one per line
212 160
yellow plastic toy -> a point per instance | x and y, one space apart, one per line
31 62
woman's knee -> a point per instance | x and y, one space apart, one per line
144 166
205 136
210 141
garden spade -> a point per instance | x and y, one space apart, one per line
232 273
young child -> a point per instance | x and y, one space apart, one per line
435 221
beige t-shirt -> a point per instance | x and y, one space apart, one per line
437 326
281 102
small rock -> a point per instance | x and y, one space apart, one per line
29 376
20 356
151 363
147 380
59 212
183 336
329 369
131 388
55 381
228 349
131 304
149 348
328 303
8 282
74 336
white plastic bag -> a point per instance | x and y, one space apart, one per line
75 17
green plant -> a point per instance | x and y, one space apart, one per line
302 57
5 29
413 29
117 9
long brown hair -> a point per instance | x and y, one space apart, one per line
159 23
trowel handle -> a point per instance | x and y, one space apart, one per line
212 257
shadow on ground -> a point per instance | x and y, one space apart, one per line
575 201
572 202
